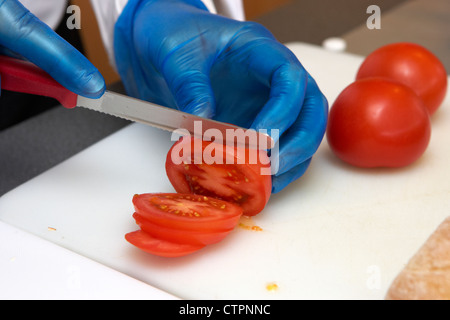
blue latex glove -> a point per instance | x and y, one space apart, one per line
23 35
176 53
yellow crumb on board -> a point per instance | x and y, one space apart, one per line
247 223
272 286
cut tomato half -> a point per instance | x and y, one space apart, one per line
235 175
159 247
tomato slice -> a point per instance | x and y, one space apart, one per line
234 177
178 235
187 211
163 248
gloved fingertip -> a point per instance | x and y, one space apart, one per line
277 185
279 182
95 87
192 91
202 109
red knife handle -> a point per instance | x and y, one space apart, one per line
23 76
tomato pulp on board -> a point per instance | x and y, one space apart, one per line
174 224
412 65
377 122
232 174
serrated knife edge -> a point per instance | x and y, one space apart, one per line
165 118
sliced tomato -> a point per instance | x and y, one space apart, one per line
178 235
163 248
187 211
234 175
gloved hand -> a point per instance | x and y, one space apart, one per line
175 53
23 35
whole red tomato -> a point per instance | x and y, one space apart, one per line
412 65
377 122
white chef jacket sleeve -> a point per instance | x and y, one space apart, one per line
107 13
230 8
49 11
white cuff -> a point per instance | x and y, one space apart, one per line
107 13
230 8
49 11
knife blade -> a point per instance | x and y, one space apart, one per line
169 119
23 76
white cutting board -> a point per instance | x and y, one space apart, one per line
337 233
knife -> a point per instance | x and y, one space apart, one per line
23 76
